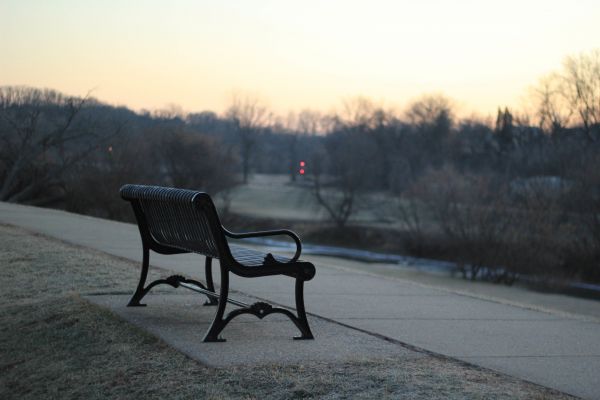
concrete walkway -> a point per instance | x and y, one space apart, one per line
553 349
178 318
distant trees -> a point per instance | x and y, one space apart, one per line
161 154
249 116
44 134
342 172
553 110
76 153
346 164
466 215
502 200
571 96
306 122
431 120
370 149
432 117
193 161
472 148
516 195
581 88
504 130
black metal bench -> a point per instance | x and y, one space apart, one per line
175 221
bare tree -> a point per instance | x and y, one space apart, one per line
504 130
43 134
338 200
553 111
384 132
571 96
160 154
581 88
249 117
358 112
431 120
470 214
429 109
194 161
342 172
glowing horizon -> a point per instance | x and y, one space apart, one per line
295 55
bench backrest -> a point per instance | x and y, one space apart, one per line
177 218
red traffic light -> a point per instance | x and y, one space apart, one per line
302 170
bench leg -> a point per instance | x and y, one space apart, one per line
218 323
259 309
302 321
209 282
140 292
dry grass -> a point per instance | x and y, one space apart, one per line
53 344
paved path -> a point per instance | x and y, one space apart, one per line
179 319
552 349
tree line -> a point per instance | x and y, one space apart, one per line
517 195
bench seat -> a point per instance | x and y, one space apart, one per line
254 258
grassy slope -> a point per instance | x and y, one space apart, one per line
53 344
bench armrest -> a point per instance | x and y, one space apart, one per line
277 232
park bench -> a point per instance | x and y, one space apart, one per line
176 221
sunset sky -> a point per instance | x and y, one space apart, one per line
294 55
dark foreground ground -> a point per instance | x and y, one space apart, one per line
54 344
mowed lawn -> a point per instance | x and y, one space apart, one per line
54 344
274 196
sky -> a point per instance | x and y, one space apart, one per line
292 54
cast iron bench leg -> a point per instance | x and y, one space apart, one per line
209 282
173 281
140 292
218 323
259 309
302 321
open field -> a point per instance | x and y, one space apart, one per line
53 344
274 196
